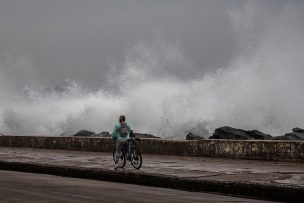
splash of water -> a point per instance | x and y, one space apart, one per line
261 89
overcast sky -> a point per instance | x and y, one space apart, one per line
46 42
51 41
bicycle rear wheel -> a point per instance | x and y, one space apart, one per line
136 159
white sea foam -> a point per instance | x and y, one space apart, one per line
261 89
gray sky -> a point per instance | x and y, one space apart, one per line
75 39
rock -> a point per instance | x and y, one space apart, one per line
296 134
298 130
229 133
103 134
144 135
258 135
282 137
238 134
84 133
191 136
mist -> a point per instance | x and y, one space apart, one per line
170 66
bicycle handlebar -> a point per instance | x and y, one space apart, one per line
131 139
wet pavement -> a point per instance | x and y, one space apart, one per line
202 168
27 187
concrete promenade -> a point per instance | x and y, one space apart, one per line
28 187
272 180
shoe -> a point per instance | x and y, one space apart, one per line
115 166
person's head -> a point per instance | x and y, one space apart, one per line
122 119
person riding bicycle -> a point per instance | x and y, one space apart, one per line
121 133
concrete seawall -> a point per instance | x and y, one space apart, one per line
242 149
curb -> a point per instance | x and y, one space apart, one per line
251 190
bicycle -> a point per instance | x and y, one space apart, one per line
131 153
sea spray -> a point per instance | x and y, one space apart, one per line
261 88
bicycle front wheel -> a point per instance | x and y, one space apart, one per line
136 159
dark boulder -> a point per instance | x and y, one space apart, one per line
282 137
103 134
144 135
191 136
296 134
238 134
258 135
84 133
298 130
229 133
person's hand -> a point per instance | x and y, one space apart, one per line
114 137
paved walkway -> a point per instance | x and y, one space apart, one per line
202 168
27 187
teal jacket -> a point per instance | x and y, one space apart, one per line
116 133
